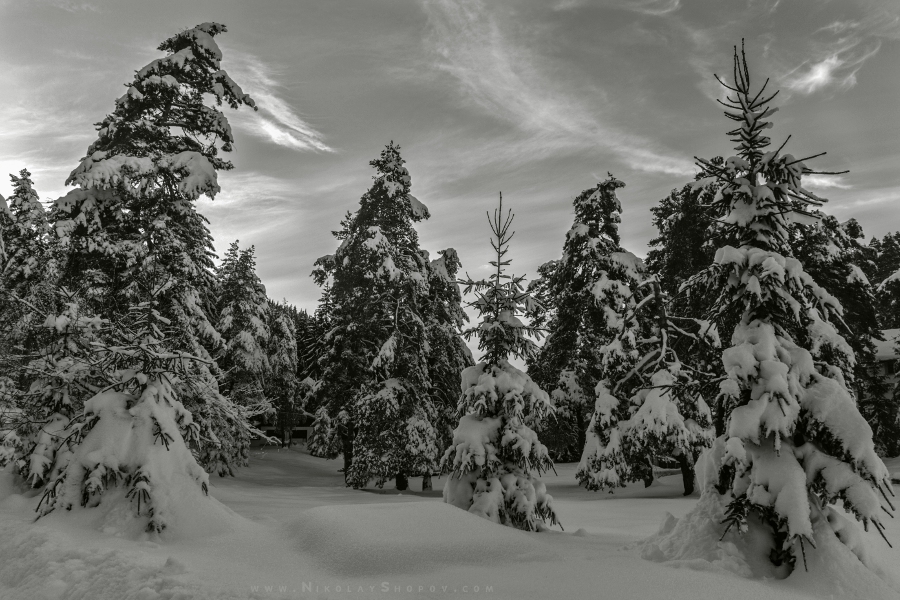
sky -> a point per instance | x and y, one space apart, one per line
539 99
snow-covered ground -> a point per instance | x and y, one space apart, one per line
288 528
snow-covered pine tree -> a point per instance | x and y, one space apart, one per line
27 238
28 275
448 354
795 442
495 454
682 248
52 386
243 325
132 433
131 223
578 323
282 387
374 371
651 403
831 254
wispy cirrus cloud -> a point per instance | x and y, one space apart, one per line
506 78
826 182
836 69
839 49
647 7
276 120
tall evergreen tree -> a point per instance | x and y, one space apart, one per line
27 276
243 325
495 453
795 442
374 380
282 386
831 254
577 324
448 354
131 224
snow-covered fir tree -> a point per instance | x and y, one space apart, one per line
51 386
132 225
448 354
831 254
651 404
374 370
132 434
243 324
577 321
27 276
795 442
282 388
27 235
495 456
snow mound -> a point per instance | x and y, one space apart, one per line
406 537
696 541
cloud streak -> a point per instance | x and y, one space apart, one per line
837 69
276 120
507 80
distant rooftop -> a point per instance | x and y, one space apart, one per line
888 349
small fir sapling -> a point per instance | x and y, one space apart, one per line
495 453
795 442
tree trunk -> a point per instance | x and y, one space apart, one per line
402 482
648 480
426 482
687 473
347 444
719 418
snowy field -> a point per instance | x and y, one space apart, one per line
288 528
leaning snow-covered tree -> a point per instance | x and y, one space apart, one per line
651 404
795 442
374 370
131 224
495 456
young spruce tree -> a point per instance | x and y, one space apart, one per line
795 442
495 453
